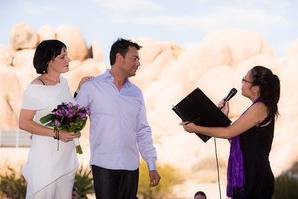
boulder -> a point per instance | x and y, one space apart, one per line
88 68
228 47
72 37
46 32
10 98
6 55
24 59
22 36
96 51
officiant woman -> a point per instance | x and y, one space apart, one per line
251 136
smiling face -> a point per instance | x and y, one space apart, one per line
60 64
130 62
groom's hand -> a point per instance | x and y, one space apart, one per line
154 178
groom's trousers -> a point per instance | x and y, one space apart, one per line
115 184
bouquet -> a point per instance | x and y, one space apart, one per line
67 117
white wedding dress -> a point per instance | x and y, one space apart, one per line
47 165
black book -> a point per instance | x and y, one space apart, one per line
199 109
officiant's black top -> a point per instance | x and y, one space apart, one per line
256 145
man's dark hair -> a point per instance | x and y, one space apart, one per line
45 52
121 46
200 193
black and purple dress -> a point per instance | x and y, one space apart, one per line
249 172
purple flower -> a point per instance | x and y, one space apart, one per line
58 113
69 113
69 117
69 105
82 116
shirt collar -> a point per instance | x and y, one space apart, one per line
107 76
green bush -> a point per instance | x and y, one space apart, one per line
12 185
83 184
169 177
286 186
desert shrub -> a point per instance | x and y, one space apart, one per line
286 186
83 184
169 178
206 172
12 184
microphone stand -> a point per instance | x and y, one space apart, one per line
216 159
217 167
226 99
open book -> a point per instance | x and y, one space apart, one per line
199 109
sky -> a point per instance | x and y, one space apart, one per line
185 22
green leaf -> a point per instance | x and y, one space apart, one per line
47 118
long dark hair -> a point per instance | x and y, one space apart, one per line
269 88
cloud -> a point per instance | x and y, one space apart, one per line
220 17
268 4
239 17
128 5
33 8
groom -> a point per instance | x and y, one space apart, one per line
119 130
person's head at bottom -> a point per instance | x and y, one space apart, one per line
200 195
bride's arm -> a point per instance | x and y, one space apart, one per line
27 123
83 80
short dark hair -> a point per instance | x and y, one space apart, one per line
200 193
121 46
45 52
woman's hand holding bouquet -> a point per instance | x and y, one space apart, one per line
67 120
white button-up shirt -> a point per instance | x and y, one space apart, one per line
118 126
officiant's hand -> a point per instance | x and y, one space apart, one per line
224 107
189 127
68 136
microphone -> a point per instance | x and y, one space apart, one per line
231 94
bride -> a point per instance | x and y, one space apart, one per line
49 170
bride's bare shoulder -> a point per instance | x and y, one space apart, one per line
37 81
